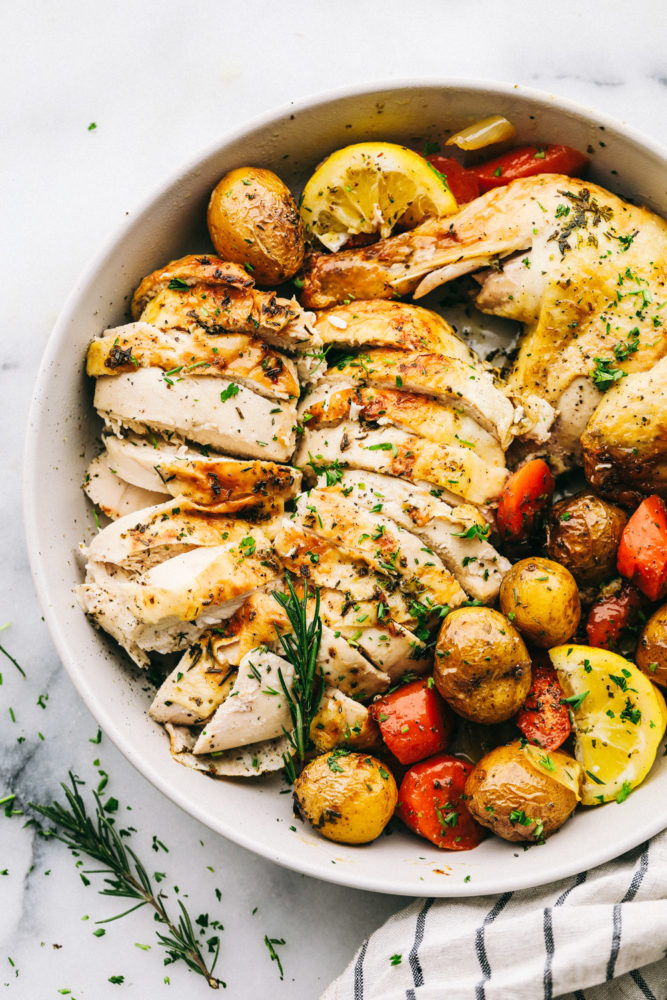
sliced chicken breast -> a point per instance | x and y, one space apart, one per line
199 684
344 580
187 272
245 359
256 708
339 607
226 485
388 549
328 405
144 539
102 598
475 563
210 411
114 496
382 323
204 676
342 721
203 585
346 669
205 293
168 607
239 762
393 648
311 558
445 379
456 469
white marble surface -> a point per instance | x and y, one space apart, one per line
162 81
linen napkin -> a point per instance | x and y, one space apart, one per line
601 935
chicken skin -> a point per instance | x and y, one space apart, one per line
625 441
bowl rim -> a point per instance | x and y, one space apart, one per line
31 477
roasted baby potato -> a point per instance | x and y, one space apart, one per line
583 534
523 792
541 598
253 220
482 666
348 797
651 656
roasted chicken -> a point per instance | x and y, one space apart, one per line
583 269
202 293
379 323
159 579
133 473
625 441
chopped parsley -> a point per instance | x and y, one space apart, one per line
231 390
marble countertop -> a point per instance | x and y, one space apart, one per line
161 82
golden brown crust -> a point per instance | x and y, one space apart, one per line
218 311
410 411
233 356
194 269
382 323
382 270
228 485
625 441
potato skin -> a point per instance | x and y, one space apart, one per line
253 219
651 656
506 782
541 598
482 666
583 534
347 797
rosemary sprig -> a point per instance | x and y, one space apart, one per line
301 648
125 875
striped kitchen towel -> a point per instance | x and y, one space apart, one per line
601 935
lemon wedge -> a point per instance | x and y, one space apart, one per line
619 719
368 188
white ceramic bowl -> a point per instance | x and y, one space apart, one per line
63 436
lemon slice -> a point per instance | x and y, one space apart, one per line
368 188
619 719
